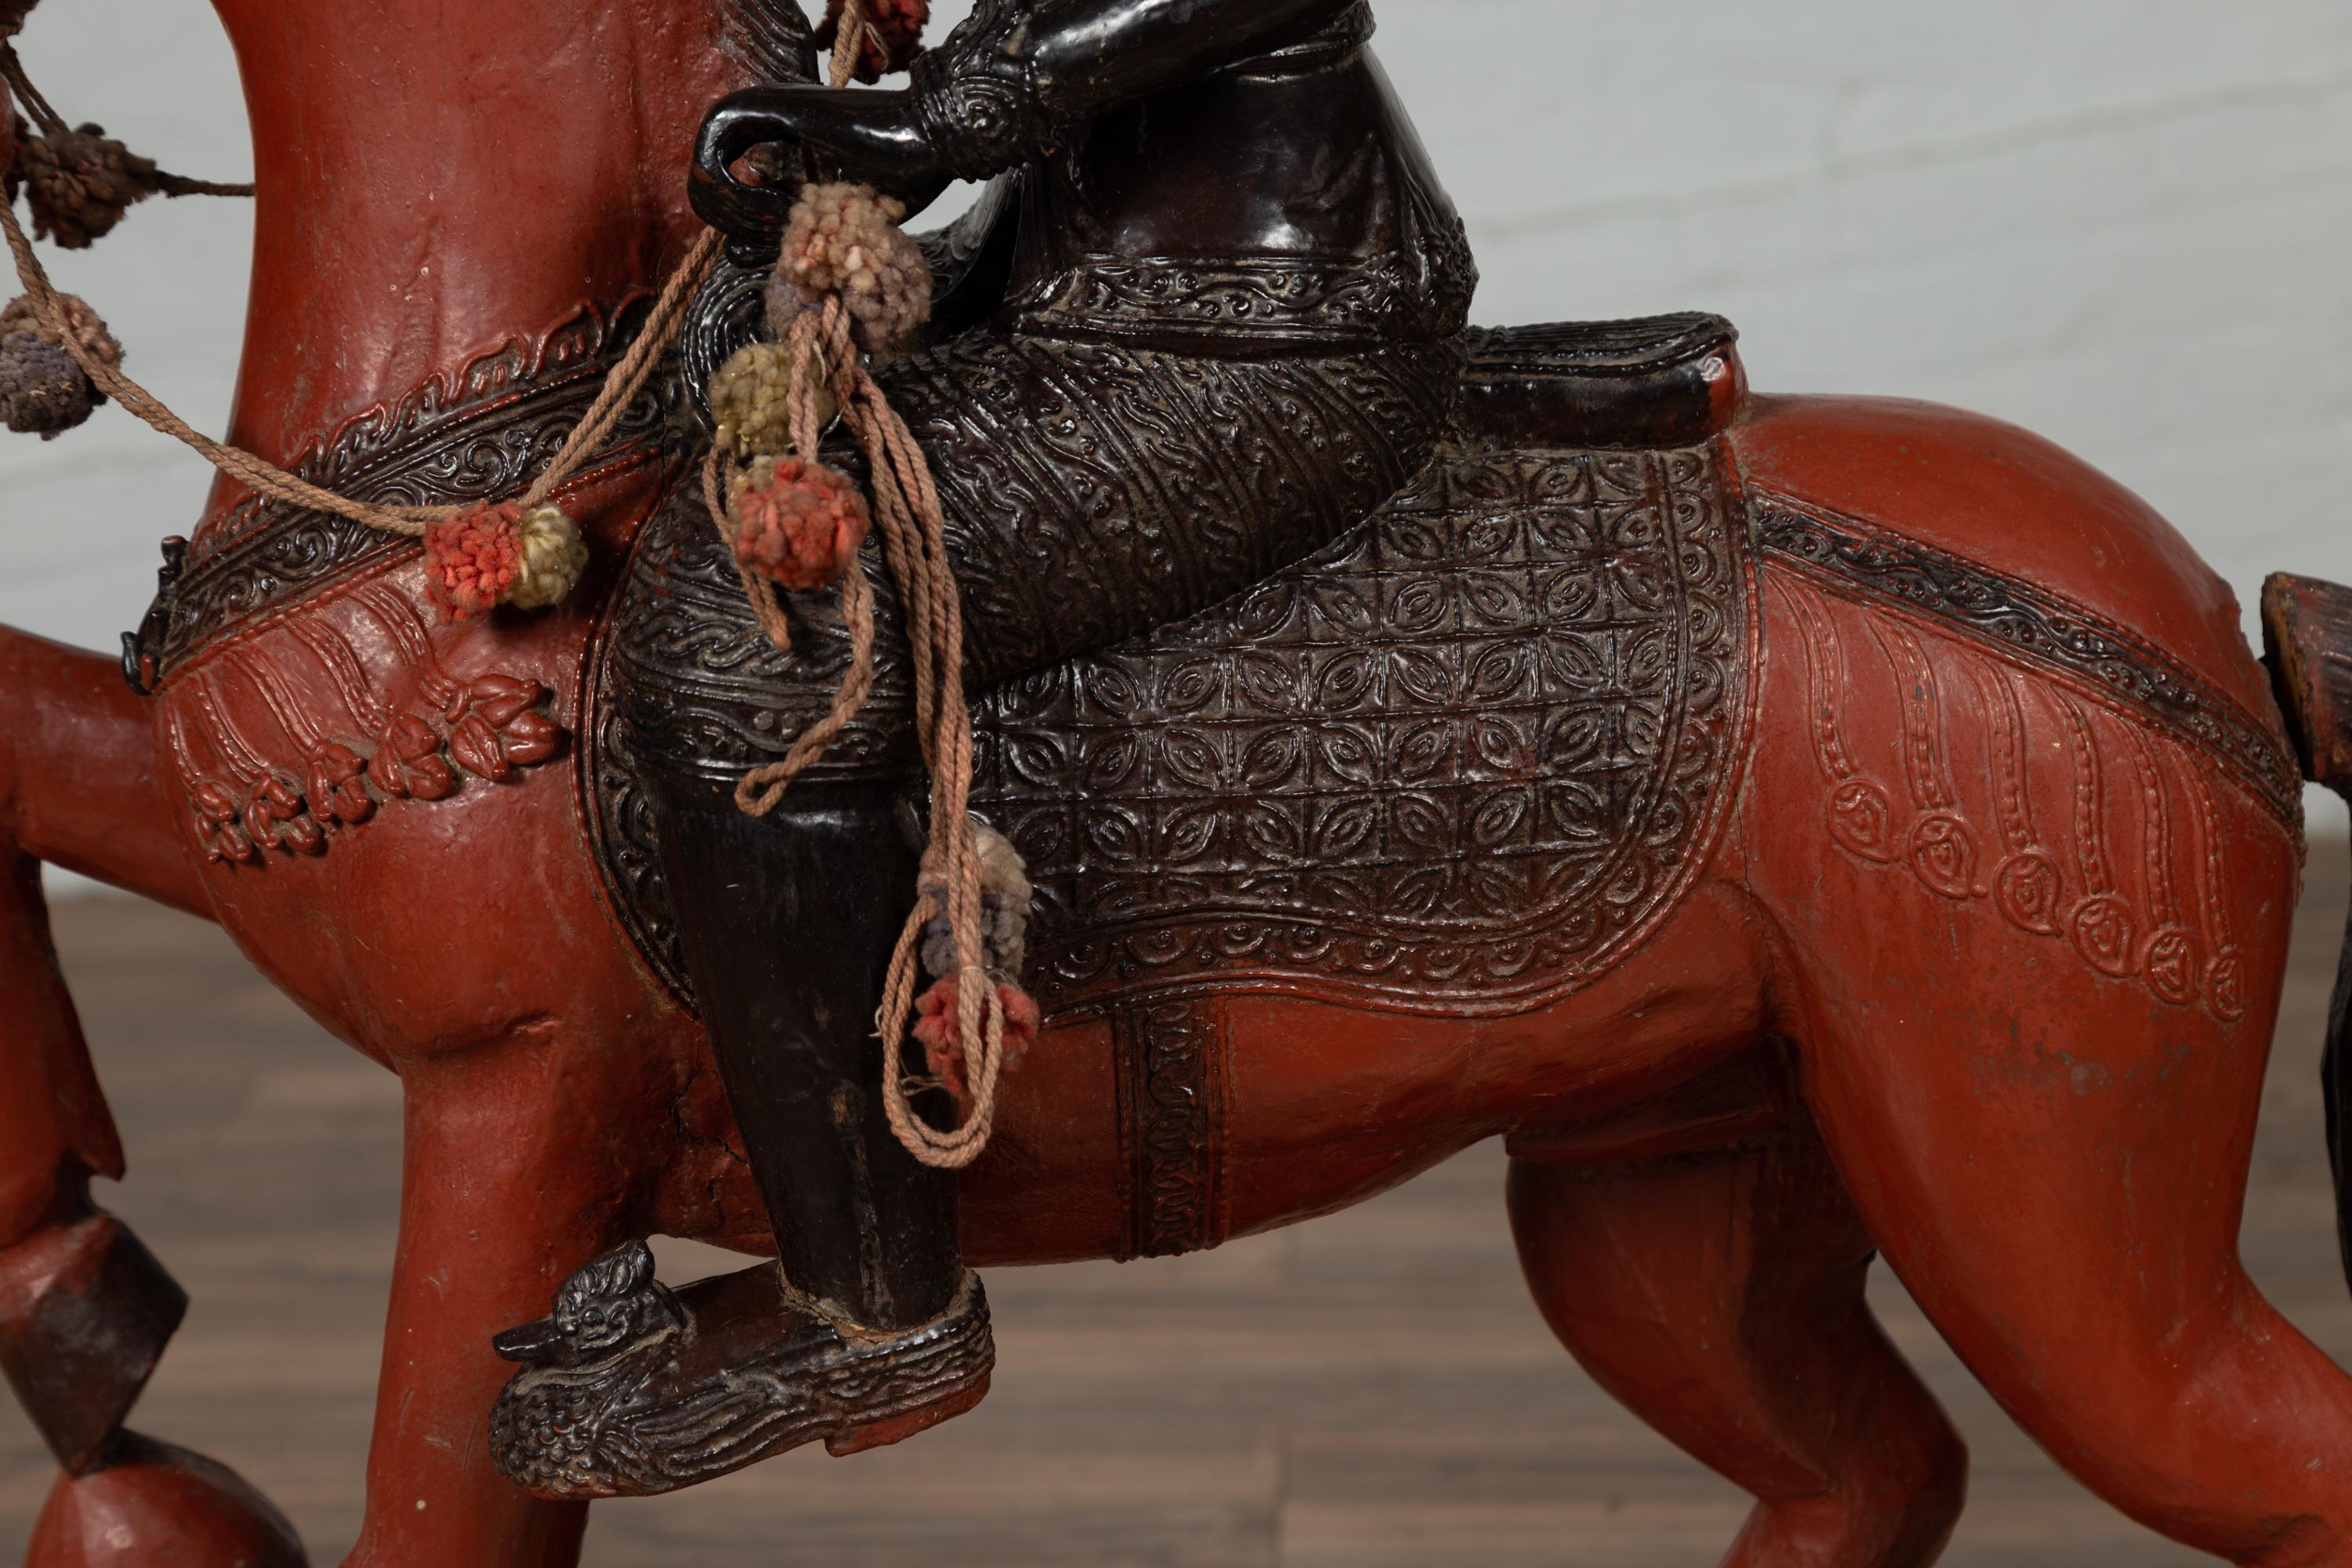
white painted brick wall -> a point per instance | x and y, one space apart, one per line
2123 223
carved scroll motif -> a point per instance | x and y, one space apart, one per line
2027 884
1172 1058
2043 628
1342 303
2226 984
2103 925
1977 739
1942 843
1461 759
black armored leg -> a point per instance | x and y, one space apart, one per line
871 1330
789 923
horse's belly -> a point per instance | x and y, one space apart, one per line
1199 1118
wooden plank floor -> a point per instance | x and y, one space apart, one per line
1370 1390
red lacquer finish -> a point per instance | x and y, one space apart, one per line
1981 975
156 1506
1986 489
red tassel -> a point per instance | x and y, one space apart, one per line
943 1043
471 560
797 523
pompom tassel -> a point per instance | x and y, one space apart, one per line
42 391
844 240
894 35
80 183
796 523
942 1041
87 328
497 555
553 559
1005 899
751 398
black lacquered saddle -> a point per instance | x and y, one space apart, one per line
1461 757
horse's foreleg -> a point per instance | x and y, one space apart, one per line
509 1180
81 784
84 1311
1719 1296
77 788
61 728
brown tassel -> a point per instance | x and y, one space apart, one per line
42 392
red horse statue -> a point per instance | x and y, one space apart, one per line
1802 827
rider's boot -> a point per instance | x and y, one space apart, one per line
871 1330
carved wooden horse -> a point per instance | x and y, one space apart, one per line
1798 825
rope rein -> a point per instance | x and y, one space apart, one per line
621 384
966 1014
912 525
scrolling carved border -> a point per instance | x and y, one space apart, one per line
476 436
2040 625
1172 1058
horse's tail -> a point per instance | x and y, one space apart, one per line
2307 643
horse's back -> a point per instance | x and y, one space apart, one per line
1986 492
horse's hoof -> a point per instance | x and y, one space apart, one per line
151 1505
719 1375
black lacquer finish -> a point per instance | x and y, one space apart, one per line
1211 325
1547 647
1662 381
1200 174
788 935
634 1390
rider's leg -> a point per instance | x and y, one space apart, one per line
871 1331
789 922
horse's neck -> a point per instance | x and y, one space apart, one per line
435 179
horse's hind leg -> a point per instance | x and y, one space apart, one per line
1719 1296
2054 1164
